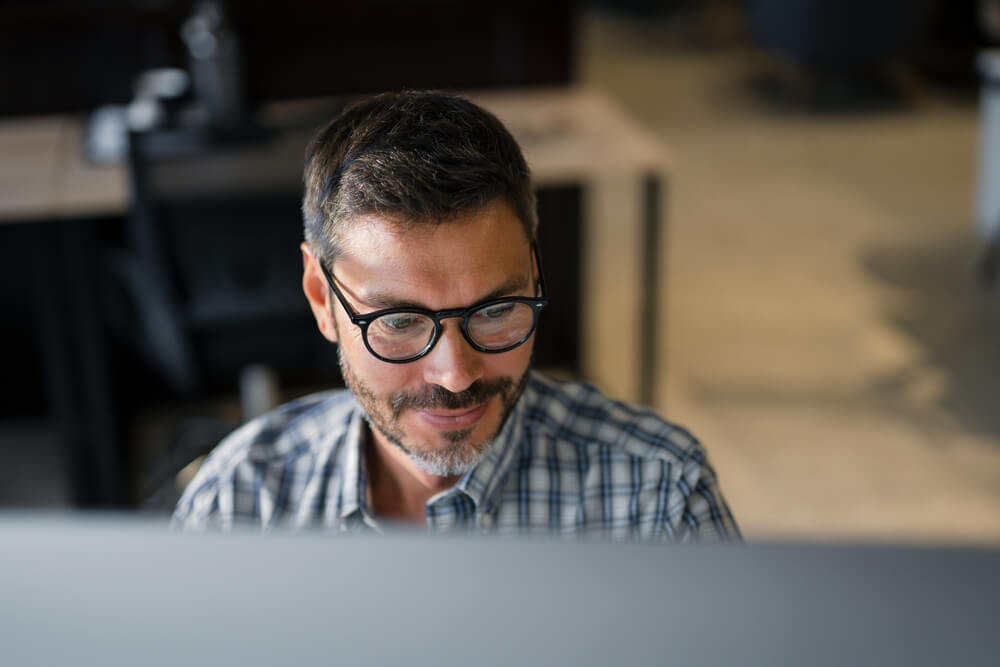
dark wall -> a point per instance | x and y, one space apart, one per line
65 55
22 390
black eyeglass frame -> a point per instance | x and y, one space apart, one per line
365 319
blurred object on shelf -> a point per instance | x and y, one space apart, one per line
836 55
988 186
216 62
989 18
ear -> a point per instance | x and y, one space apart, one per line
317 293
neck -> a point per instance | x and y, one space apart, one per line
398 488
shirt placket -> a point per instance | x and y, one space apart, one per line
453 511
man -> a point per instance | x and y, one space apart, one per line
420 264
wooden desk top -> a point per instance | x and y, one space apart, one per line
568 135
574 134
44 176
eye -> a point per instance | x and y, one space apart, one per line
401 324
496 312
398 322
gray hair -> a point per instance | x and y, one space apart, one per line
416 157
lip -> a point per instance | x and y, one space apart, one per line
453 419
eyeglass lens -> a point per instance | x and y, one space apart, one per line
493 327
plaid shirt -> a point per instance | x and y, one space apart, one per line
568 461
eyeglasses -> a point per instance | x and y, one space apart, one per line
401 335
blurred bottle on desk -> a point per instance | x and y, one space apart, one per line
216 64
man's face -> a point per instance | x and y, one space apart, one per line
444 409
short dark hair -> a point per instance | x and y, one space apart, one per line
416 156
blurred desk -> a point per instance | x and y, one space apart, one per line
569 137
572 137
44 178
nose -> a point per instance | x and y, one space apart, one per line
453 363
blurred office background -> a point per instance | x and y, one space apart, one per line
825 310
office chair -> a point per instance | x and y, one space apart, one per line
209 278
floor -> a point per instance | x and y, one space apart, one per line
824 334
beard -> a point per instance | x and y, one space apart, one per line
457 454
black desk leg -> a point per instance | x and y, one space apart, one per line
64 280
648 356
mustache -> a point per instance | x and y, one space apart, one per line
436 396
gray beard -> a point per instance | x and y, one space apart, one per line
456 459
460 456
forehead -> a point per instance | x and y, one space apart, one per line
452 262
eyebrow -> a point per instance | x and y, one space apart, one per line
379 300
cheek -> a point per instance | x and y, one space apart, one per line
379 376
509 364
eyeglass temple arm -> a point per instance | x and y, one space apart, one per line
541 272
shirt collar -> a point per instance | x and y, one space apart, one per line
354 474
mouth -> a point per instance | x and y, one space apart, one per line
453 419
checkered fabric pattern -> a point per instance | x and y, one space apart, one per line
568 461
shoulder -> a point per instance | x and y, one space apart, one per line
267 445
619 467
580 414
